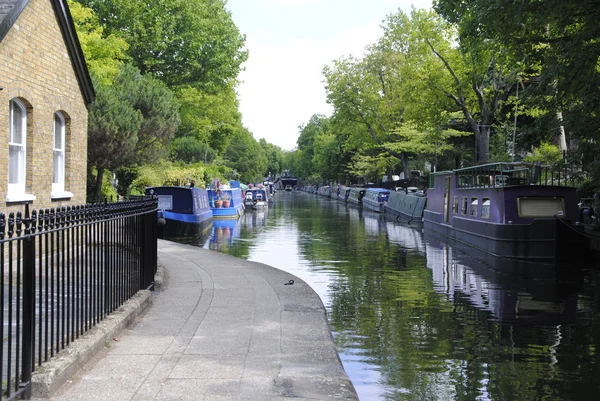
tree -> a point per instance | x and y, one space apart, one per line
274 155
182 42
245 156
104 54
132 121
209 118
559 41
475 75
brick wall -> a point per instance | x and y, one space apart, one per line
35 66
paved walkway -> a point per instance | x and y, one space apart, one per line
221 328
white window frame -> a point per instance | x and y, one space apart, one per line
16 190
59 164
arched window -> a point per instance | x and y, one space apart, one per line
58 174
17 145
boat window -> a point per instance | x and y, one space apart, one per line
165 202
541 207
501 180
473 209
455 205
463 206
483 180
485 208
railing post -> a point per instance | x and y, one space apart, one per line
143 245
28 304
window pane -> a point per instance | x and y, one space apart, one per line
58 131
17 123
57 176
15 163
541 207
485 208
473 210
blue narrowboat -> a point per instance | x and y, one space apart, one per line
375 199
507 209
226 203
186 210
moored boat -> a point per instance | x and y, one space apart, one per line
256 198
226 203
375 199
287 180
355 196
186 210
505 209
342 193
406 204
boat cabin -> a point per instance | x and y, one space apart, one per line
376 199
507 209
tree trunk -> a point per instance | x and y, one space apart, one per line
562 139
482 145
404 158
99 178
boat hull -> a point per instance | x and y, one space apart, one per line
236 208
406 206
180 225
185 210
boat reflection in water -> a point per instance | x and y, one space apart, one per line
223 234
514 292
256 219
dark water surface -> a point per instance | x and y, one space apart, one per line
416 318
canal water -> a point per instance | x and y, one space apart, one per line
417 318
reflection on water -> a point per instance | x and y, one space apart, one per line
417 318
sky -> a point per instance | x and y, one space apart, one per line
289 43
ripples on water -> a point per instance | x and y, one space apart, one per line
416 318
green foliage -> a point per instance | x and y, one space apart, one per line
104 54
180 41
274 155
188 149
245 157
107 190
132 121
547 154
166 173
557 43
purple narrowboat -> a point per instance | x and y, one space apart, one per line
506 209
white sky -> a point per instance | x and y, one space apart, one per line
290 41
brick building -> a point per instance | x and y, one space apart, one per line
45 89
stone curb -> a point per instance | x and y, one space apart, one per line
49 377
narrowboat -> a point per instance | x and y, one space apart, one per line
257 198
287 180
406 204
342 193
507 209
355 196
375 199
186 210
325 191
226 203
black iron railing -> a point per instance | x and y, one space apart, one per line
63 271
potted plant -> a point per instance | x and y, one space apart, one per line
226 200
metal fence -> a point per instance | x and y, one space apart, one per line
63 271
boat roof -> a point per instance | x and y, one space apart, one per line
499 167
378 190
